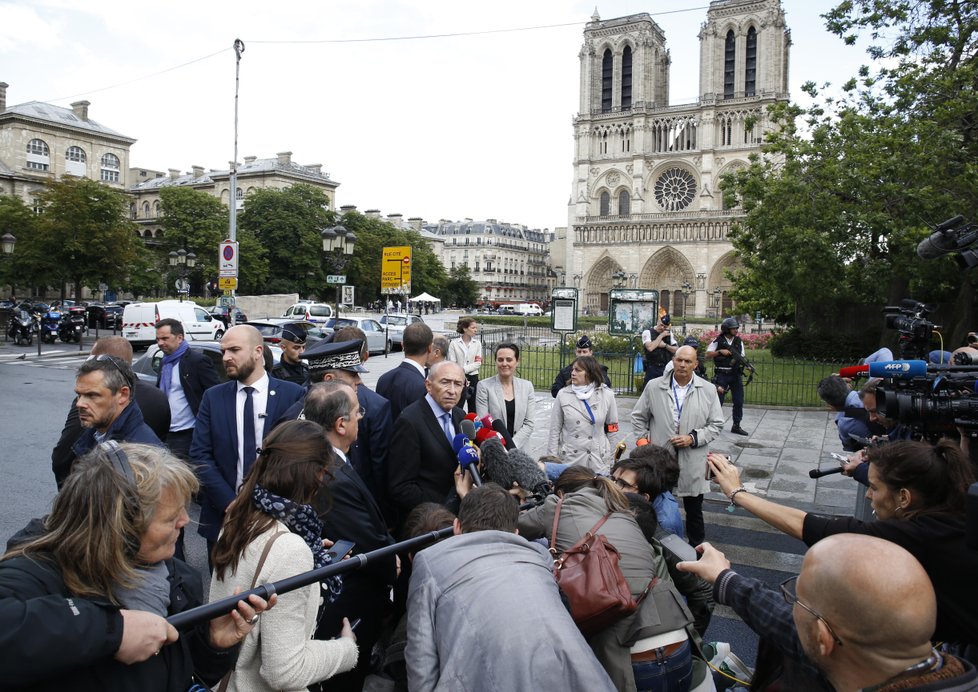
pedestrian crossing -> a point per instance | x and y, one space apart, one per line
59 359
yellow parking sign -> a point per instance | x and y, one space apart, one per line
395 270
227 283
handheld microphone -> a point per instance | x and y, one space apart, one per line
500 428
486 421
471 416
853 371
818 473
902 369
468 459
459 441
486 434
468 428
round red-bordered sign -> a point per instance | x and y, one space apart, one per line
228 253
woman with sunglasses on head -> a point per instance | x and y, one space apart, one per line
918 494
508 398
583 416
271 531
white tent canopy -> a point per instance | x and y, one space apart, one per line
425 298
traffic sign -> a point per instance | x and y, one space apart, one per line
336 279
225 301
182 285
395 270
227 283
227 259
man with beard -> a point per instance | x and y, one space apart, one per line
233 420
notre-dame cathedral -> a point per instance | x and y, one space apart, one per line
646 210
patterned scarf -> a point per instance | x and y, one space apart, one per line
302 521
166 371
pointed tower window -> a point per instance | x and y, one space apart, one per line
729 56
607 71
605 204
750 77
626 79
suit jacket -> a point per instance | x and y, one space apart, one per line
401 386
369 453
196 377
421 464
215 446
489 399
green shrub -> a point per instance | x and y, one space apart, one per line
792 343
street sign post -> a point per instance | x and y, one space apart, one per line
395 270
227 283
227 259
336 279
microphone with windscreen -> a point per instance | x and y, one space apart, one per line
468 428
515 466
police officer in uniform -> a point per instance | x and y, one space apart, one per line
292 367
727 373
658 348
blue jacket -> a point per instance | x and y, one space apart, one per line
129 426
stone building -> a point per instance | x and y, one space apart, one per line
508 261
39 143
276 173
646 209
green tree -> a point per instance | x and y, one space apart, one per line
83 237
460 289
197 222
287 224
846 189
20 221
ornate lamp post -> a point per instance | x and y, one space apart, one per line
687 289
338 244
717 294
619 277
182 261
8 242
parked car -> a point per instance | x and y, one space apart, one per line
376 339
147 366
395 325
319 313
224 314
108 316
271 330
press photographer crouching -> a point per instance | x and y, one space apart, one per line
918 493
83 606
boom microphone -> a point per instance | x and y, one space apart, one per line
853 371
500 428
902 369
468 459
515 466
942 241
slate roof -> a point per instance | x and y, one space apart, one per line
65 117
270 165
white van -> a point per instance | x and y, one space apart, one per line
139 321
528 309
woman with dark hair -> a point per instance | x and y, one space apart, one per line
649 649
506 397
918 492
584 413
271 531
467 352
83 606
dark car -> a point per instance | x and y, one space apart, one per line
271 330
147 367
108 316
224 314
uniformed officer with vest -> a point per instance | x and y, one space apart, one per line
292 367
659 348
727 371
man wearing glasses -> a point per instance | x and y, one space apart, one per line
859 615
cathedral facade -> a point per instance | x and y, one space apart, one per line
646 210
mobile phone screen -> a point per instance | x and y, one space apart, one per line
680 548
340 550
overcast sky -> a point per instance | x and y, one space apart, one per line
475 125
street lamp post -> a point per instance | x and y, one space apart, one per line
338 244
619 278
7 242
686 291
717 293
182 261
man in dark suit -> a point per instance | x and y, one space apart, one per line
424 465
151 401
184 376
349 512
404 384
233 419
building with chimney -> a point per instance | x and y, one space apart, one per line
646 208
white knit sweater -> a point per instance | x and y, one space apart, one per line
279 653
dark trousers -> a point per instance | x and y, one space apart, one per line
653 372
731 382
695 527
178 442
473 380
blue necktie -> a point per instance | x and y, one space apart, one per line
448 427
248 449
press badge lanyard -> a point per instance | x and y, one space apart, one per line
589 411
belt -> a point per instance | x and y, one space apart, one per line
658 654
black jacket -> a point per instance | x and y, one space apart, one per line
401 386
50 640
196 377
563 379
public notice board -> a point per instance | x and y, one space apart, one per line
395 270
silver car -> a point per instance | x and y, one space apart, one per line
147 367
395 325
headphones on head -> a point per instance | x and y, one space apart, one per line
120 462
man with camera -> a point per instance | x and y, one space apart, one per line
727 352
659 347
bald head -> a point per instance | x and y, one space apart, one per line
244 333
684 363
874 594
113 346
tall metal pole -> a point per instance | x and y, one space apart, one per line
239 48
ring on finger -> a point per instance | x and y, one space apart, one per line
253 620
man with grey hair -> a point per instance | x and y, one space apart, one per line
424 468
439 350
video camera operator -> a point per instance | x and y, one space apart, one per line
658 348
727 371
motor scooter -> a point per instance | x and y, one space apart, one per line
72 325
21 327
50 322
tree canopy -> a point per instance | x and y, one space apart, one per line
845 190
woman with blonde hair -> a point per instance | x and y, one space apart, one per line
271 531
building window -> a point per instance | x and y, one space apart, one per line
626 79
38 155
675 189
750 77
729 57
605 204
607 73
624 203
239 199
110 168
75 161
145 210
75 154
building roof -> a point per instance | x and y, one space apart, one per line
488 227
62 117
256 166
